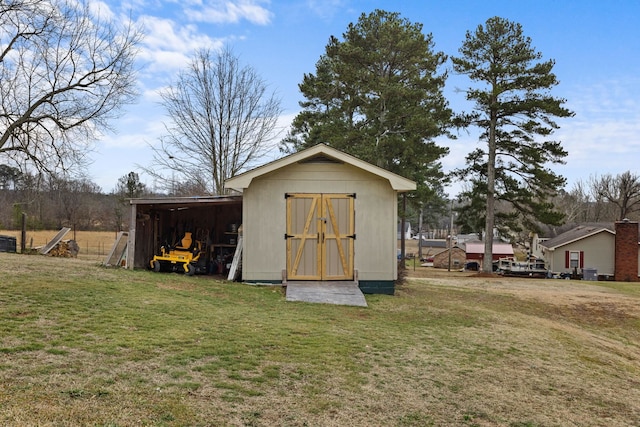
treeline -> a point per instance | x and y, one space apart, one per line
597 199
51 202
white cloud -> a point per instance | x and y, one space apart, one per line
167 46
219 11
326 9
604 135
134 5
101 9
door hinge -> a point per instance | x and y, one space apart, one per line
287 236
352 236
352 195
287 195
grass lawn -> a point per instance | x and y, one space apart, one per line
81 344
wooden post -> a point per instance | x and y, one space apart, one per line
420 235
23 236
451 235
131 239
402 226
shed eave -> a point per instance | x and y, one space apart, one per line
186 201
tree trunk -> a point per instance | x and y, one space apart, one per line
487 264
402 226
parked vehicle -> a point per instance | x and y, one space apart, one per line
472 266
512 267
183 256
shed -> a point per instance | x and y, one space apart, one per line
320 215
212 220
475 250
458 258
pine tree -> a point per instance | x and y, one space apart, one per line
515 113
377 95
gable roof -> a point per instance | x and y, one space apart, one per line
320 152
578 233
433 243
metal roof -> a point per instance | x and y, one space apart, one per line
183 202
497 248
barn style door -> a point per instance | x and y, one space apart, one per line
320 234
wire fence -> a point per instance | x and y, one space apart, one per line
93 245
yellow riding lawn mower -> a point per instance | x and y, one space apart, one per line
182 256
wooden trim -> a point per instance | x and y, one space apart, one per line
346 260
293 260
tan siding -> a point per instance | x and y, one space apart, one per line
264 213
598 253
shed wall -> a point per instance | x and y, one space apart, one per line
264 218
458 258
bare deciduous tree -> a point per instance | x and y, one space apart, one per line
65 71
221 119
623 191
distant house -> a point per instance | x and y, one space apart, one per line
585 246
407 230
610 250
537 249
435 244
464 238
475 250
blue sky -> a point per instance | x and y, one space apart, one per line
596 46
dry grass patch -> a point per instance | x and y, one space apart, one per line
94 245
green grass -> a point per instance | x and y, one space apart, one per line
85 345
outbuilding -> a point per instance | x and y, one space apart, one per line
475 250
212 221
320 215
454 260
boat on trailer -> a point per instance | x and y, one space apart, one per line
511 267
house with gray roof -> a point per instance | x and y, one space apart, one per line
587 246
